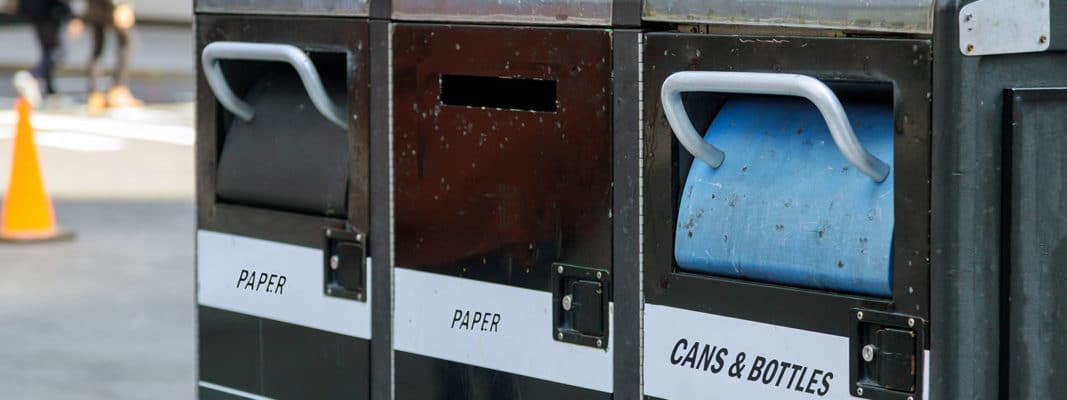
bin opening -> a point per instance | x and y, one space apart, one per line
785 206
498 92
288 157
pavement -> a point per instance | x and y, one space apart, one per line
110 313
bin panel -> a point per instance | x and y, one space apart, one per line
786 207
512 186
285 7
905 16
1036 175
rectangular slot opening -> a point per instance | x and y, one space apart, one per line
498 92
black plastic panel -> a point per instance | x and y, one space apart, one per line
280 360
1036 229
429 378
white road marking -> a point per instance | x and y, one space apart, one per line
105 126
74 141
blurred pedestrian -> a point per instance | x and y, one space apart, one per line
116 16
47 17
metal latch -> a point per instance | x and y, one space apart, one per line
886 359
345 264
580 305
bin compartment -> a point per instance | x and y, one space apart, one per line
785 206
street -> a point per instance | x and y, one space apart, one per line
108 314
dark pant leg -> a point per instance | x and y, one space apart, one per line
51 53
95 70
122 61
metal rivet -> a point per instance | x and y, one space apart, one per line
868 353
599 275
359 237
967 17
335 262
1042 39
329 290
911 398
559 269
859 391
359 296
329 232
566 302
559 335
599 343
859 314
911 322
970 48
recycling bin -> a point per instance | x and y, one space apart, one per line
282 265
844 199
503 169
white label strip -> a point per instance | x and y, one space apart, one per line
277 281
232 391
492 326
691 355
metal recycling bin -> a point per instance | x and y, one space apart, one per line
851 200
502 154
283 280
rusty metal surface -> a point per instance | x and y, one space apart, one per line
285 7
556 12
500 194
904 16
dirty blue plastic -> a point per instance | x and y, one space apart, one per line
785 206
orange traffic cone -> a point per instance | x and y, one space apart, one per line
27 211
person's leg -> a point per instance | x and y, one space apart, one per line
48 36
119 95
97 100
122 60
94 69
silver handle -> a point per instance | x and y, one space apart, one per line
769 84
265 52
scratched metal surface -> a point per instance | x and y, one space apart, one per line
906 16
285 7
785 206
555 12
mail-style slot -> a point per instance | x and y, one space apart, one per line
284 143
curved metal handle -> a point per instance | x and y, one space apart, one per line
770 84
265 52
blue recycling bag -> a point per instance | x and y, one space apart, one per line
785 206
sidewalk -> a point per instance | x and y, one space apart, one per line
157 50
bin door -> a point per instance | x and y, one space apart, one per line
502 159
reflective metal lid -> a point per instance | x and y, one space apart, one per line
285 7
904 16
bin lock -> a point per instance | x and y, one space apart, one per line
580 305
345 264
886 355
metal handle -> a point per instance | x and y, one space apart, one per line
769 84
265 52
